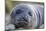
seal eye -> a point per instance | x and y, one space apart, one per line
29 13
19 11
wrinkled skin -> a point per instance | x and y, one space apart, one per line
27 16
21 16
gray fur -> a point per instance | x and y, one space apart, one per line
27 16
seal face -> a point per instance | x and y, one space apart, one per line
26 15
21 15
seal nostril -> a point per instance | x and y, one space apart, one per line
25 19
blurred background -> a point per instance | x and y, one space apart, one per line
9 4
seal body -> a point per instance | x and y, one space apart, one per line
27 16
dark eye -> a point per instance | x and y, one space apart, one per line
29 13
19 11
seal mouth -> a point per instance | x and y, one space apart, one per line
21 24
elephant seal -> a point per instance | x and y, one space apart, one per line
27 16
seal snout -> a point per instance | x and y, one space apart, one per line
21 22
